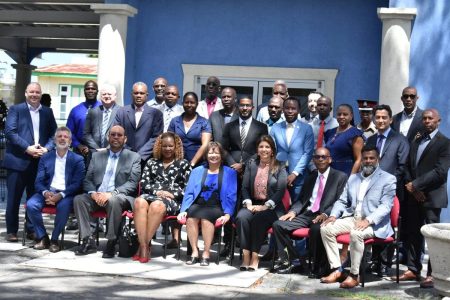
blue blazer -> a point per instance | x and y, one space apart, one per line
19 135
228 193
74 173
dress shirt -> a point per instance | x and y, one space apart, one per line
316 187
59 177
330 123
227 117
138 114
154 103
112 164
289 131
423 144
361 193
35 119
169 113
77 118
406 121
385 134
210 104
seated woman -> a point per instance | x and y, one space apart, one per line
263 188
210 196
163 181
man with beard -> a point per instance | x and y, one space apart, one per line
159 87
363 210
220 118
211 103
59 179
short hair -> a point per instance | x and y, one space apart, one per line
245 97
140 83
212 145
294 99
383 107
90 81
368 148
157 147
191 94
64 128
108 87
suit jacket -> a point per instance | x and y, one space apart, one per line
232 141
19 135
416 125
92 133
276 186
202 107
377 202
333 189
127 175
217 122
74 173
429 175
140 138
228 192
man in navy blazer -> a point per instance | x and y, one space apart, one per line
29 131
228 113
142 124
60 177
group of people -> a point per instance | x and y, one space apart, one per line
210 162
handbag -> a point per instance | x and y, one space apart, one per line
128 242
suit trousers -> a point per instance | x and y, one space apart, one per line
417 216
16 183
342 226
252 228
84 205
34 210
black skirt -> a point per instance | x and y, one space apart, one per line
209 210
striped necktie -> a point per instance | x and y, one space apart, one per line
105 125
243 133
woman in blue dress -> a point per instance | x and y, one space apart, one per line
345 142
194 130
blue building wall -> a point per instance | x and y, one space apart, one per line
285 33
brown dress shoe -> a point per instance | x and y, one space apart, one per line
54 247
11 237
44 243
408 275
427 283
335 276
350 282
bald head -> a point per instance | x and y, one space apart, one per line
159 87
431 119
324 107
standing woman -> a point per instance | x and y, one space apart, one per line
163 182
210 196
194 130
263 188
345 142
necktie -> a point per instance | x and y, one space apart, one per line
106 186
104 126
243 133
320 136
167 118
380 142
316 204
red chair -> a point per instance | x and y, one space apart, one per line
395 223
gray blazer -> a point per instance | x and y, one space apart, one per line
377 202
92 133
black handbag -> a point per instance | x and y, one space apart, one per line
128 242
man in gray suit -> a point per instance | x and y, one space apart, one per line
111 183
228 113
363 210
99 119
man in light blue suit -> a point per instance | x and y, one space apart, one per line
363 210
295 145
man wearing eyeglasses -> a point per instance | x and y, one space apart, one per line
212 102
409 121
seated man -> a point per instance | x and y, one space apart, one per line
363 210
314 206
111 182
59 178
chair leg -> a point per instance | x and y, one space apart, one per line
62 239
165 226
178 257
219 245
24 231
362 267
232 244
97 226
397 263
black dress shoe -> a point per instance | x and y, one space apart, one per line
11 237
291 269
44 243
110 250
194 260
54 247
281 264
87 247
72 224
204 262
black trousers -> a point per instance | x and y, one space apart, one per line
252 228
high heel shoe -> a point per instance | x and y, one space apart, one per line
137 256
144 259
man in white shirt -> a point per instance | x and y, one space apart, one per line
212 102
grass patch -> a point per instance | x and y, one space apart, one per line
354 295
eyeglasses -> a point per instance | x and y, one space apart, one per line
406 96
320 157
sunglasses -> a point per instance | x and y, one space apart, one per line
412 96
320 157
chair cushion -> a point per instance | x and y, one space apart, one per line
345 239
300 233
101 213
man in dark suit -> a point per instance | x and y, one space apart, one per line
111 182
409 121
142 124
100 119
29 131
426 185
220 118
59 178
314 206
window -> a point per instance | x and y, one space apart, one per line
64 92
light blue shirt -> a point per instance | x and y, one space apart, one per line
108 183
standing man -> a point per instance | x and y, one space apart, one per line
365 113
275 109
211 103
99 119
159 88
142 124
312 106
29 130
111 182
323 122
279 89
60 177
426 185
409 121
228 113
170 108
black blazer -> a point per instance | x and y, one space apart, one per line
430 173
217 122
416 125
333 189
232 141
276 185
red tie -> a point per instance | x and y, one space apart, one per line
320 136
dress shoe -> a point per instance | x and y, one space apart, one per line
11 237
204 262
87 247
54 247
44 243
251 269
172 244
31 236
194 260
243 269
268 256
110 250
281 264
146 257
335 276
291 269
350 282
408 275
226 251
427 283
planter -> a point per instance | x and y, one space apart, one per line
438 240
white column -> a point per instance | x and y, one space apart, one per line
112 44
395 49
23 78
